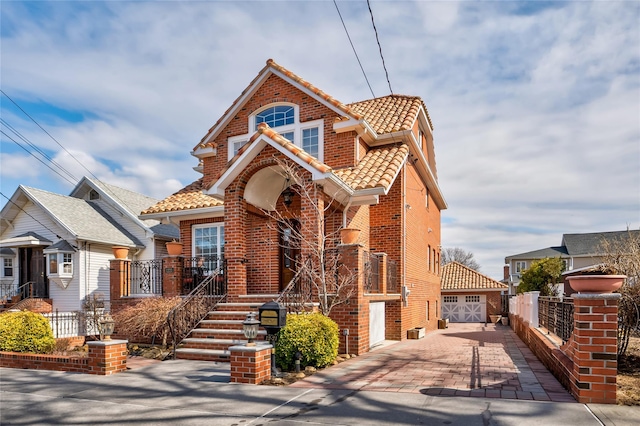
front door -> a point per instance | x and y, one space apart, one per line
289 251
32 270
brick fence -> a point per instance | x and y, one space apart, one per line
105 358
587 363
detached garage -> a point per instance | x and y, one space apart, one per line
468 295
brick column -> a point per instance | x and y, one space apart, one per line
595 342
250 364
119 273
172 276
107 357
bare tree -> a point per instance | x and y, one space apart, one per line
622 256
322 262
459 255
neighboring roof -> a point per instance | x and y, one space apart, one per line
28 238
456 276
5 251
590 244
169 231
378 168
391 113
62 245
541 254
576 245
83 219
188 198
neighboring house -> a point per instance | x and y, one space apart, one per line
373 160
58 247
577 251
468 295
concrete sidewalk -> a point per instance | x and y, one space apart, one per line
198 393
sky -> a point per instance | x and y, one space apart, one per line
535 105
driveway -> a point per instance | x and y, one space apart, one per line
467 359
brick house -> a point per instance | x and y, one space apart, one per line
368 165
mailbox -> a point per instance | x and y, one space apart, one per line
273 316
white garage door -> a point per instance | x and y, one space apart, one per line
376 323
464 308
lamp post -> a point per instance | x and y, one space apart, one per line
107 325
250 328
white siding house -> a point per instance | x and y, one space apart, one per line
58 247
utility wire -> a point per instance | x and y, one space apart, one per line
379 46
35 147
354 48
27 213
104 186
34 156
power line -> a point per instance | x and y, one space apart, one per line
104 187
39 159
379 46
28 214
35 147
354 48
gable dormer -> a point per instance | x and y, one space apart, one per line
284 118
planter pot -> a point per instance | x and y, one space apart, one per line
349 235
505 320
494 318
174 248
120 252
596 283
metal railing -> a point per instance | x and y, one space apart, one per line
67 324
372 269
195 306
196 269
146 277
392 277
297 296
556 315
7 291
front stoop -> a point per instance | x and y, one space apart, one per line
221 329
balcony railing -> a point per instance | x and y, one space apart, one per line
146 277
372 276
392 277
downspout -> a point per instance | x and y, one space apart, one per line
344 214
404 226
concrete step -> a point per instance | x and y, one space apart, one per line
221 333
203 354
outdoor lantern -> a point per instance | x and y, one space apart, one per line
287 194
106 326
250 328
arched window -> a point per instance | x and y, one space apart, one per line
276 116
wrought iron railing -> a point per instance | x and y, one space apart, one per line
195 306
7 291
392 277
146 277
372 270
196 269
298 294
67 324
556 315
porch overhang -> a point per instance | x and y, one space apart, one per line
175 217
25 241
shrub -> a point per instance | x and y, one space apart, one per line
314 335
25 332
146 319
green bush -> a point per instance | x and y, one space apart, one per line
25 332
314 335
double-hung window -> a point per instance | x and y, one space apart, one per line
520 267
208 244
7 267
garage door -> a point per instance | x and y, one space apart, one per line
464 308
376 323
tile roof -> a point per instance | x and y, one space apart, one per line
391 113
378 168
189 197
456 276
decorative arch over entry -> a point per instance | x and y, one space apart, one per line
265 186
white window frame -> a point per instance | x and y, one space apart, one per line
11 266
63 262
220 237
520 266
296 128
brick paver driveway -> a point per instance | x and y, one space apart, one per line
463 360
